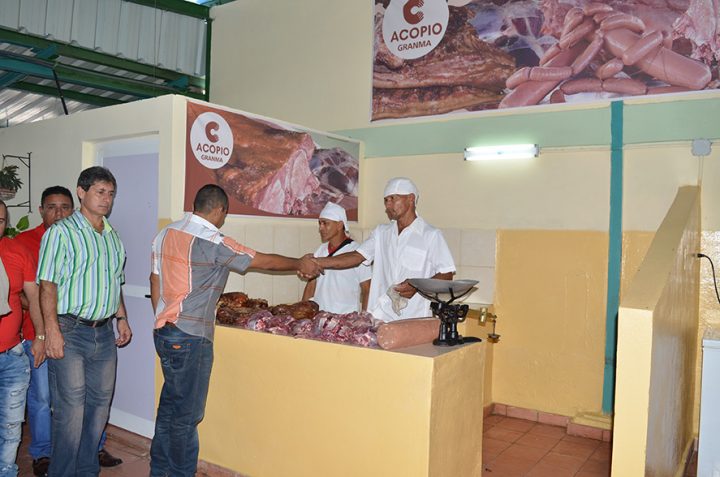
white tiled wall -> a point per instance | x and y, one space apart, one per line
472 249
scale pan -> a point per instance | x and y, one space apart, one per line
432 286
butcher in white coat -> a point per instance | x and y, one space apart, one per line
338 291
407 247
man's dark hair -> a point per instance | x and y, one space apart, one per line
56 190
94 174
209 198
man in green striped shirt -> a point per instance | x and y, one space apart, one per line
80 272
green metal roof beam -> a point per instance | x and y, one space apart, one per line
89 78
177 6
10 78
212 3
68 94
85 54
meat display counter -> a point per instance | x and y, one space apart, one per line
280 406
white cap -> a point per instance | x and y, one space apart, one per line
401 186
334 212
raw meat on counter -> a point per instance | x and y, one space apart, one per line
237 307
301 320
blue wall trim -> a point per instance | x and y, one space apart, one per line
614 253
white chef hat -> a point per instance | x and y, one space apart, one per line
401 186
334 212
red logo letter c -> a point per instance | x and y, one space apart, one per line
410 17
211 130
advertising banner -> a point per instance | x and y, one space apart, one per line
267 167
434 57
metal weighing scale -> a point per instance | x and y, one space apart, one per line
442 294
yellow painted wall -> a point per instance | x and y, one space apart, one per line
657 349
307 55
550 302
307 408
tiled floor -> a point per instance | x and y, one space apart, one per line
131 448
515 448
511 448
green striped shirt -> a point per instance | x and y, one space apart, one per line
86 266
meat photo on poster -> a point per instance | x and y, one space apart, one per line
269 168
503 54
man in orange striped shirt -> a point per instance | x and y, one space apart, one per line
191 261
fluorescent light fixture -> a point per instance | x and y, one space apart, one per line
510 151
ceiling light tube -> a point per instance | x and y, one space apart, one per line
509 151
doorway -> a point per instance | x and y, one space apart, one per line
134 163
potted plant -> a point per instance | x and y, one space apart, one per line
9 182
22 225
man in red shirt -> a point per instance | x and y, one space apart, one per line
56 204
20 267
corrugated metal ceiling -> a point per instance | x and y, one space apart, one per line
100 52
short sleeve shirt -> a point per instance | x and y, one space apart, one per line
338 291
20 267
420 251
86 265
193 260
30 239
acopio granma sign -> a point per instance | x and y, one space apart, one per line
413 28
211 140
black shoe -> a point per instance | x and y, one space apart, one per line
107 459
40 466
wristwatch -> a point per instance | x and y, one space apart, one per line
40 337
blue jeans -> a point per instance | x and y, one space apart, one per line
186 363
38 408
14 379
81 389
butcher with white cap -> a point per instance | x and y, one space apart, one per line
338 291
407 247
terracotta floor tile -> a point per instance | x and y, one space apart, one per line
509 467
602 453
583 473
491 448
573 449
548 430
541 442
562 461
596 466
126 469
520 452
493 420
514 424
583 440
543 469
503 434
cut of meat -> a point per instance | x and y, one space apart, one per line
463 71
269 168
298 311
461 58
701 26
480 70
401 103
338 174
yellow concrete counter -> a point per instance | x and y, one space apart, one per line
280 406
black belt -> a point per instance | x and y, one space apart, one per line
90 323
